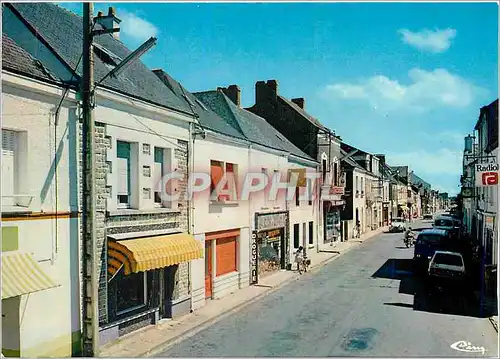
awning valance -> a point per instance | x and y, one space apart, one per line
21 274
143 254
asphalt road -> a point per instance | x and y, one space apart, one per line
365 303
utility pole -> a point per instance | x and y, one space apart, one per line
90 322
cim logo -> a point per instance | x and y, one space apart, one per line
489 178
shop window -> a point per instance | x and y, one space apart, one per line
311 232
131 291
296 236
225 255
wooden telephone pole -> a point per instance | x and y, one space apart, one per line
90 322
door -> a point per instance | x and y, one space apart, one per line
208 269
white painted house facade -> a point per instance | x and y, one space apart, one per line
40 211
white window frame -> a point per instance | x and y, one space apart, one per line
19 157
129 177
233 196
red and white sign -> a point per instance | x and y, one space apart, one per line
336 190
486 175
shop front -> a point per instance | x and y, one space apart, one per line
334 228
269 250
145 276
385 213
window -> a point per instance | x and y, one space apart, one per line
324 170
296 236
357 185
335 174
146 149
297 196
9 175
309 191
304 234
158 173
362 188
131 291
217 171
123 173
311 232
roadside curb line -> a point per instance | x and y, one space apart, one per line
494 323
207 323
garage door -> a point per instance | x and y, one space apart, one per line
226 249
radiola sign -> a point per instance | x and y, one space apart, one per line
486 175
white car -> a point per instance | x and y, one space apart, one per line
398 224
447 265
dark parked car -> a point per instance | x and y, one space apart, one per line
427 216
428 241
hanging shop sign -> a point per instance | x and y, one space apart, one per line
253 259
486 175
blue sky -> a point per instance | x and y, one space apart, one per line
403 79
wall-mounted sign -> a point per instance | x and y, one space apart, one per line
486 175
467 192
253 259
336 190
270 221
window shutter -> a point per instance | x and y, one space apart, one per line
216 173
157 175
123 175
8 163
226 256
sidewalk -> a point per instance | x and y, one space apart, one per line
490 309
154 339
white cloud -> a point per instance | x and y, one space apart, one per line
426 90
135 27
443 161
436 41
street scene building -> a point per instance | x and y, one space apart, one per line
138 209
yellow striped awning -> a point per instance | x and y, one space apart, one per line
21 274
143 254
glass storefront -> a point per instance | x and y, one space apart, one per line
270 251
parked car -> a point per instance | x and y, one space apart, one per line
446 269
427 216
397 225
448 223
426 244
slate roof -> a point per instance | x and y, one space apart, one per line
15 59
207 118
62 30
351 162
303 113
252 127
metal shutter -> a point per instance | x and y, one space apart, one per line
225 256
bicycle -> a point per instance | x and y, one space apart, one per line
303 264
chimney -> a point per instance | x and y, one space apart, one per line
299 102
273 85
109 21
233 92
266 92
